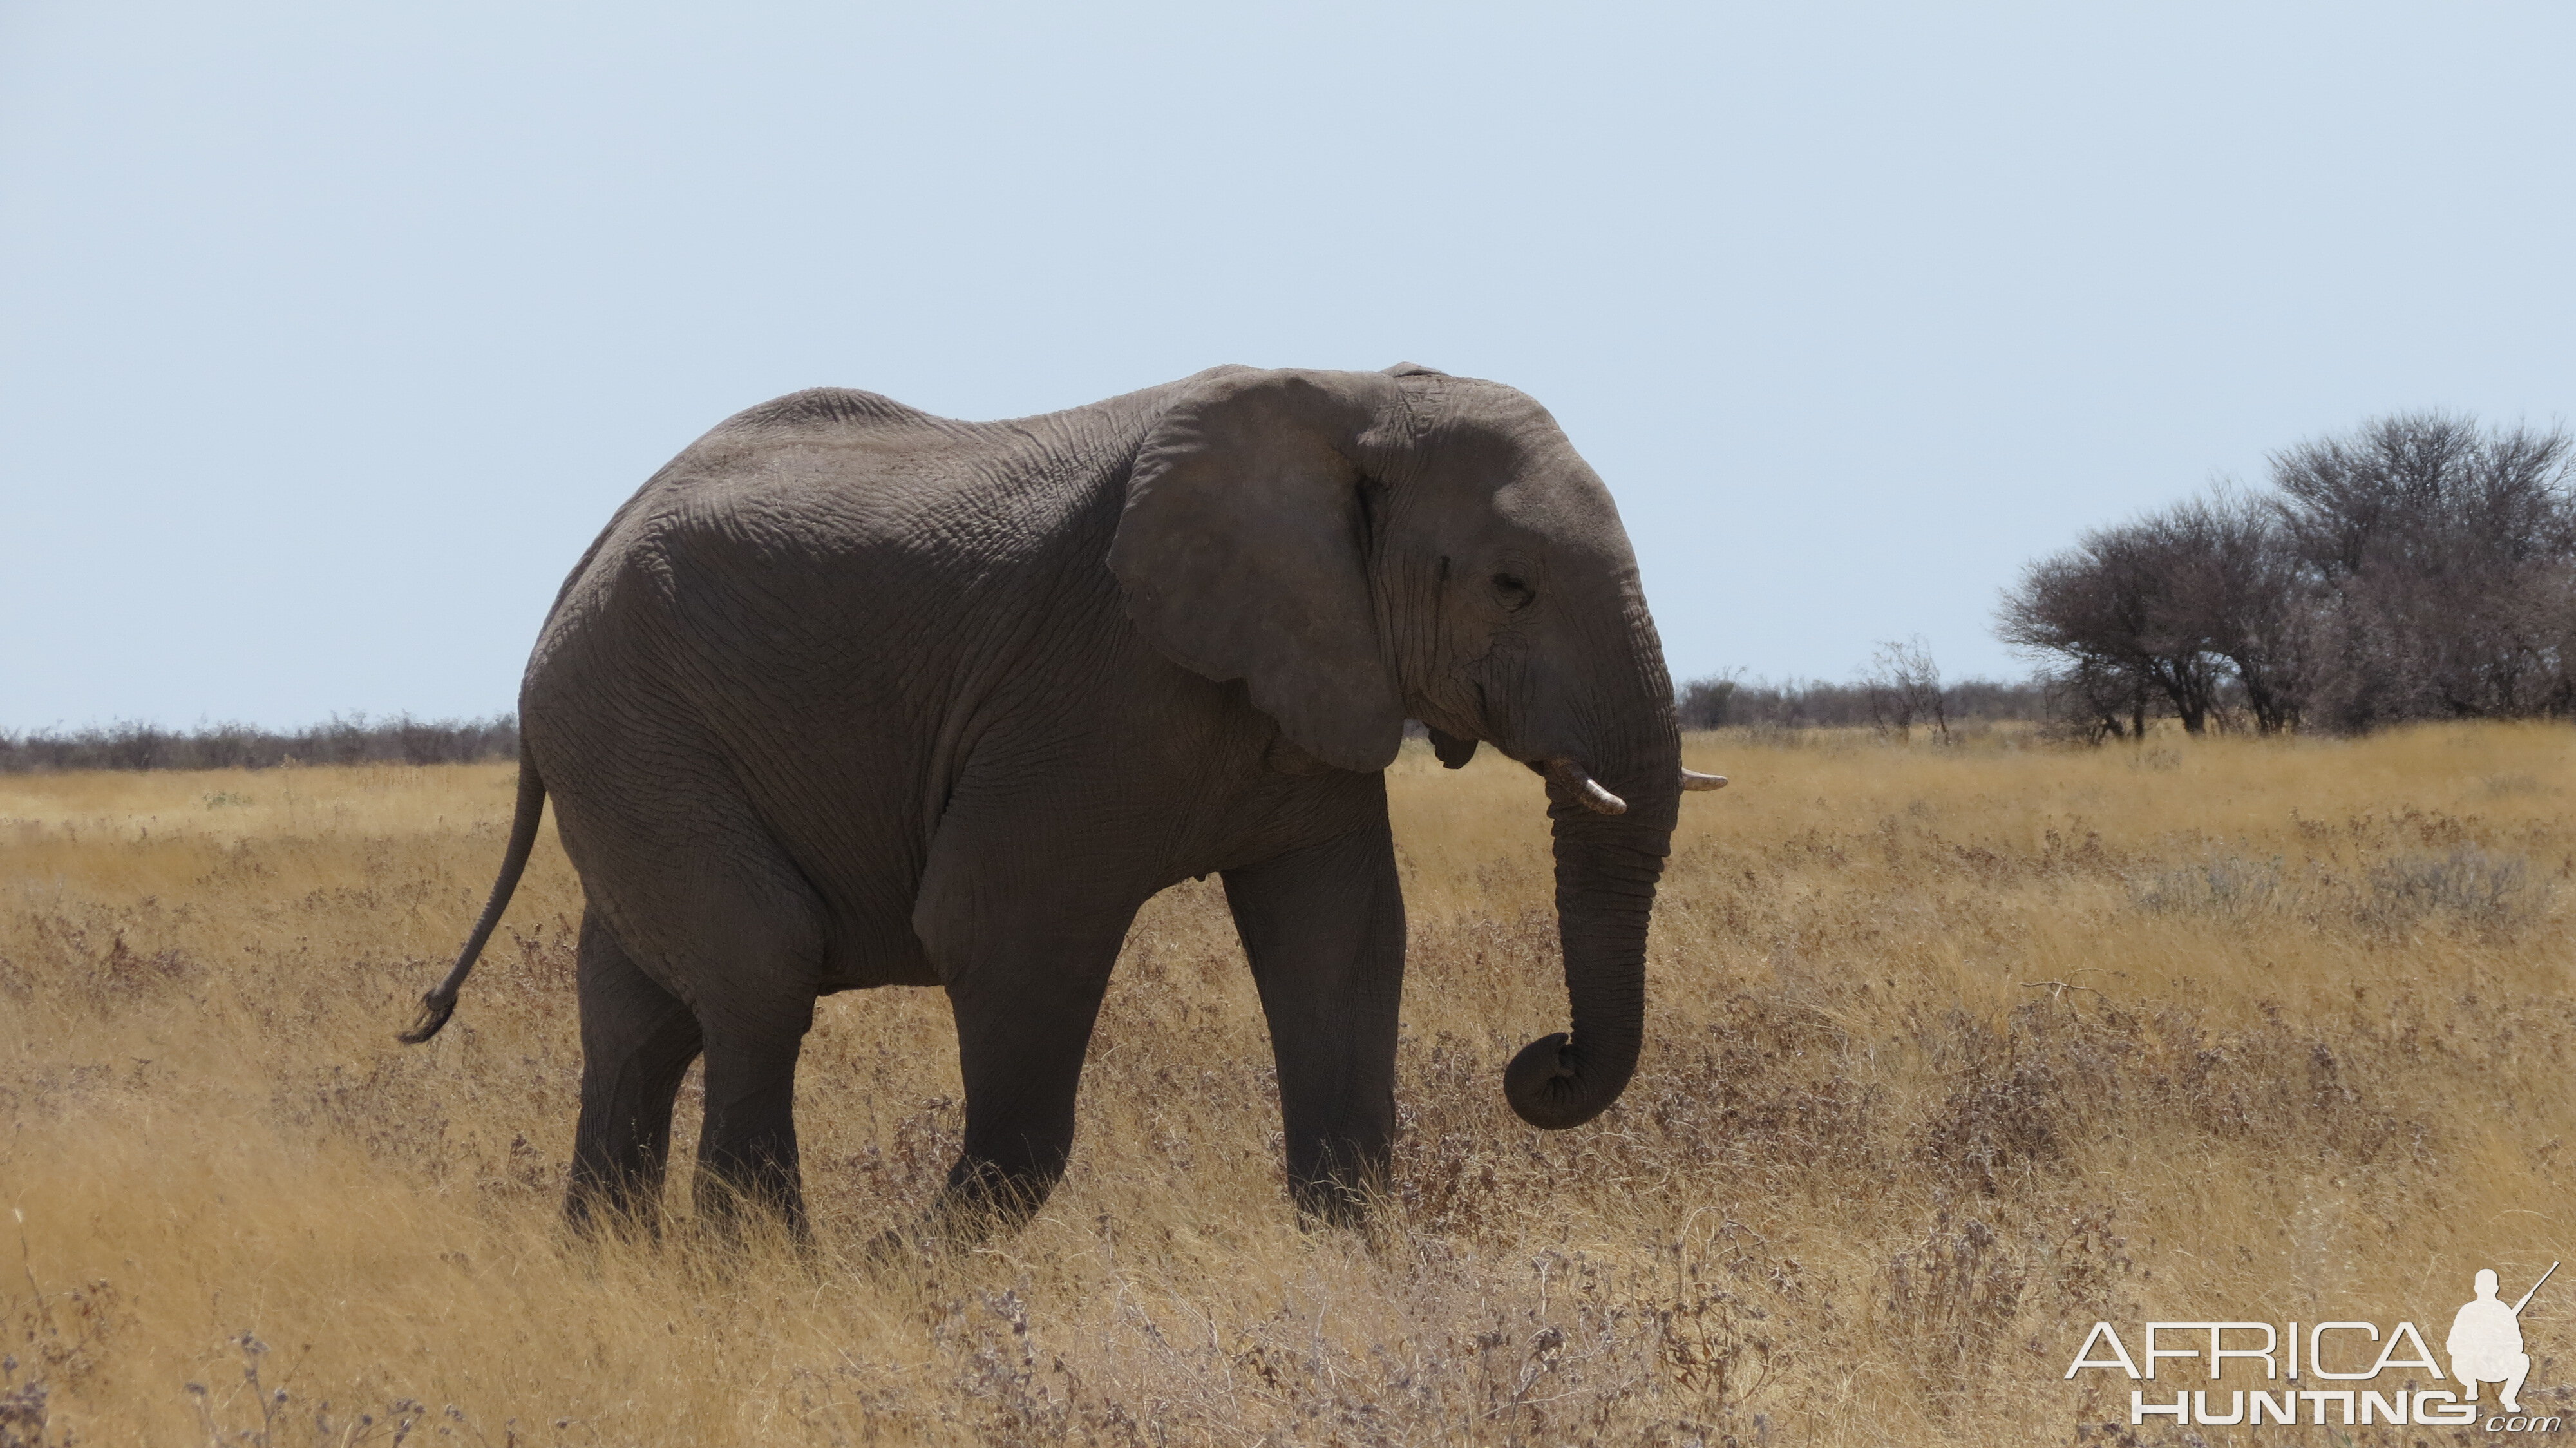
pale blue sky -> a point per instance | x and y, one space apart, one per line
330 333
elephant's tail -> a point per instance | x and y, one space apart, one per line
440 1003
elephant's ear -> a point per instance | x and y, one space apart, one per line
1243 552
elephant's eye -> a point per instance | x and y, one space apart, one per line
1515 593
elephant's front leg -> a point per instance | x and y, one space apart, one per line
1324 928
1024 939
1022 1030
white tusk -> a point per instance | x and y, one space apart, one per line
1693 779
1585 788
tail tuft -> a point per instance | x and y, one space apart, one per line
440 1003
435 1008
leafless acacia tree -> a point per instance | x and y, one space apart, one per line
1904 688
2440 566
2127 604
2419 567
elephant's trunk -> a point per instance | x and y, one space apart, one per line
1606 868
1605 892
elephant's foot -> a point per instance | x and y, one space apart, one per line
604 1205
731 1210
1330 1204
987 1206
984 1200
594 1220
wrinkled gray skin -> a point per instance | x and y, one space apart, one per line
849 695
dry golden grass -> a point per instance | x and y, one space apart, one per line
1952 1052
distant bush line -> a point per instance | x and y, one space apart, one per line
354 740
1876 702
1705 704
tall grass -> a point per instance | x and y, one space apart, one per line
1952 1052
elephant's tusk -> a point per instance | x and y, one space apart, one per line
1585 788
1693 779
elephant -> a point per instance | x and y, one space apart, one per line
850 695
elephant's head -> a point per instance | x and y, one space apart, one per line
1361 548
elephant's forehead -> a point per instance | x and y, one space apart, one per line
1559 504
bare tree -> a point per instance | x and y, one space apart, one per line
2230 590
1904 688
2439 561
2118 603
2096 701
2419 567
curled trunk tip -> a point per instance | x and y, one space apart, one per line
1549 1087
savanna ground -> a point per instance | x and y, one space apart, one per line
1952 1052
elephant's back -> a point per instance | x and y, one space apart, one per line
827 406
834 540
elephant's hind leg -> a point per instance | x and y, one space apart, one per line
637 1040
747 1156
710 911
